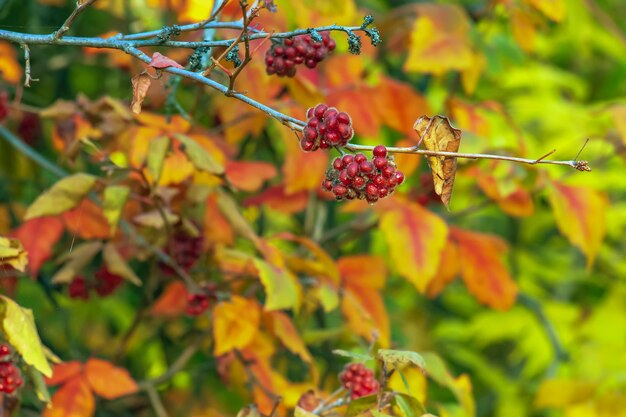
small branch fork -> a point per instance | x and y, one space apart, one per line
80 7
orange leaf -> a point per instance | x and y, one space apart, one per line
297 162
249 176
398 104
517 203
366 119
10 69
235 324
73 399
63 371
161 61
172 302
38 236
109 381
415 237
482 268
553 9
523 28
216 227
277 199
286 332
322 256
362 271
87 221
365 312
580 216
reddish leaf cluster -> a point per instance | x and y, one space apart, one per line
326 127
281 59
359 380
199 302
105 284
10 378
184 248
4 105
353 176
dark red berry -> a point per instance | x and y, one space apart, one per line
340 190
4 350
359 380
359 158
319 110
338 164
358 182
352 169
380 162
78 288
388 171
344 118
399 177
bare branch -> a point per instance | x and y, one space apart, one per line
80 7
27 76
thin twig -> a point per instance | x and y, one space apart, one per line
321 410
80 7
246 40
27 75
177 366
155 400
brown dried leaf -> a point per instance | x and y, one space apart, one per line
141 84
438 135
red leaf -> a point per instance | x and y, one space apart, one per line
87 221
161 61
107 380
276 198
38 236
172 301
74 399
482 268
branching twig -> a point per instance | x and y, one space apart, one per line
178 365
80 7
155 400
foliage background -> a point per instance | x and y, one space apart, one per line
518 77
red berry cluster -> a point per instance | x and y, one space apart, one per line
359 380
326 127
427 194
283 57
10 377
4 105
353 176
198 303
184 248
105 284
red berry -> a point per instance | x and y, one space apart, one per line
4 350
372 190
380 162
353 169
383 191
307 145
367 167
380 150
399 177
327 184
343 118
345 131
388 171
330 113
309 133
347 159
359 158
340 190
345 178
358 182
338 164
319 110
353 378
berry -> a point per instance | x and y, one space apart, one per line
184 248
282 58
353 176
359 380
10 377
107 282
78 288
4 105
4 350
380 150
326 127
309 401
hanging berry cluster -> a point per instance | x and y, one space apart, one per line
184 248
281 59
358 380
198 303
326 127
353 176
105 283
10 377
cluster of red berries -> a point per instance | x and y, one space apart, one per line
282 58
184 248
198 303
353 176
326 127
427 194
10 377
105 284
4 105
358 380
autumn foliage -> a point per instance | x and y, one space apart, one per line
296 208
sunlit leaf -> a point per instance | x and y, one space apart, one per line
38 236
172 302
563 392
115 197
73 399
61 372
202 159
284 329
354 356
157 151
277 199
117 265
87 220
63 196
12 253
282 290
400 358
249 176
236 323
553 9
18 325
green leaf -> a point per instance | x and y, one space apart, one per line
281 287
360 357
376 413
115 197
157 150
117 265
199 156
409 405
301 412
401 358
19 328
41 389
361 405
63 196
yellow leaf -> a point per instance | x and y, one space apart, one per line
117 265
439 40
199 156
553 9
286 332
282 289
115 197
365 313
438 135
12 253
19 328
524 30
236 323
157 151
10 69
580 216
63 196
563 392
416 238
